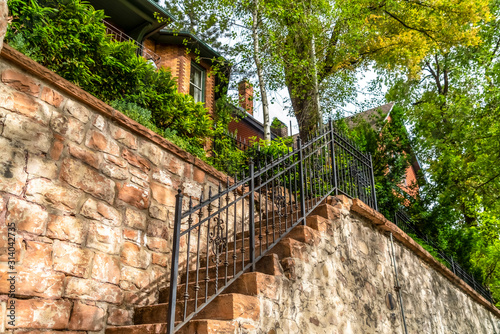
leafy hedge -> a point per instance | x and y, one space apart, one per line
69 37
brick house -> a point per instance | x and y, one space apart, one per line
371 116
138 20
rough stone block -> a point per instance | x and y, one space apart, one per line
199 175
158 211
192 189
99 122
39 166
136 160
161 259
104 238
67 228
87 317
119 316
21 82
232 306
158 244
56 148
135 219
51 97
40 313
106 268
162 176
12 168
35 137
135 256
43 283
124 137
38 255
159 229
175 166
163 195
133 235
77 110
91 158
71 259
134 195
151 151
137 277
46 192
102 212
69 127
89 289
98 141
26 216
82 177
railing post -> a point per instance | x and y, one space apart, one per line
252 216
301 182
453 265
332 156
373 185
174 269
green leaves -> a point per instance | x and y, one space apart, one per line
69 37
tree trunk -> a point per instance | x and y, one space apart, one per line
258 65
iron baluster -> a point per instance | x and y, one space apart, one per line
301 183
252 216
174 269
374 196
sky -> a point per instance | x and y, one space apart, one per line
280 109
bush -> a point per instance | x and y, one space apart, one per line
69 37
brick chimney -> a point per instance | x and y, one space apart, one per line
245 91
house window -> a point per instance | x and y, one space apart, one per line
197 83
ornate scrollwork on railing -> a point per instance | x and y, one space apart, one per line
217 240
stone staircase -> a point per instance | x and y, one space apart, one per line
240 299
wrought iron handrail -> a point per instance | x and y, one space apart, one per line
405 223
120 36
264 202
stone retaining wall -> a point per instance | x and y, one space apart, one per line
91 194
340 282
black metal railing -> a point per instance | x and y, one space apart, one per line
120 36
225 232
405 223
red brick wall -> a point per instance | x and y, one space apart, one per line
178 61
244 130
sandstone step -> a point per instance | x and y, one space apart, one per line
269 264
138 329
220 270
289 247
206 326
223 307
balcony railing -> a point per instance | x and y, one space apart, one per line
120 36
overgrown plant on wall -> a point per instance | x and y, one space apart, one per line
69 37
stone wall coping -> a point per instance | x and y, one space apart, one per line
104 109
383 224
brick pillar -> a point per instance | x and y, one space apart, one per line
245 91
4 12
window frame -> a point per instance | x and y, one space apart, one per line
203 81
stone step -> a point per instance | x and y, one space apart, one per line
269 264
223 307
205 326
138 329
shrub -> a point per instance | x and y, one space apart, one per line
69 37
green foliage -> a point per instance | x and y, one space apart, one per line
69 37
262 151
388 143
144 117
